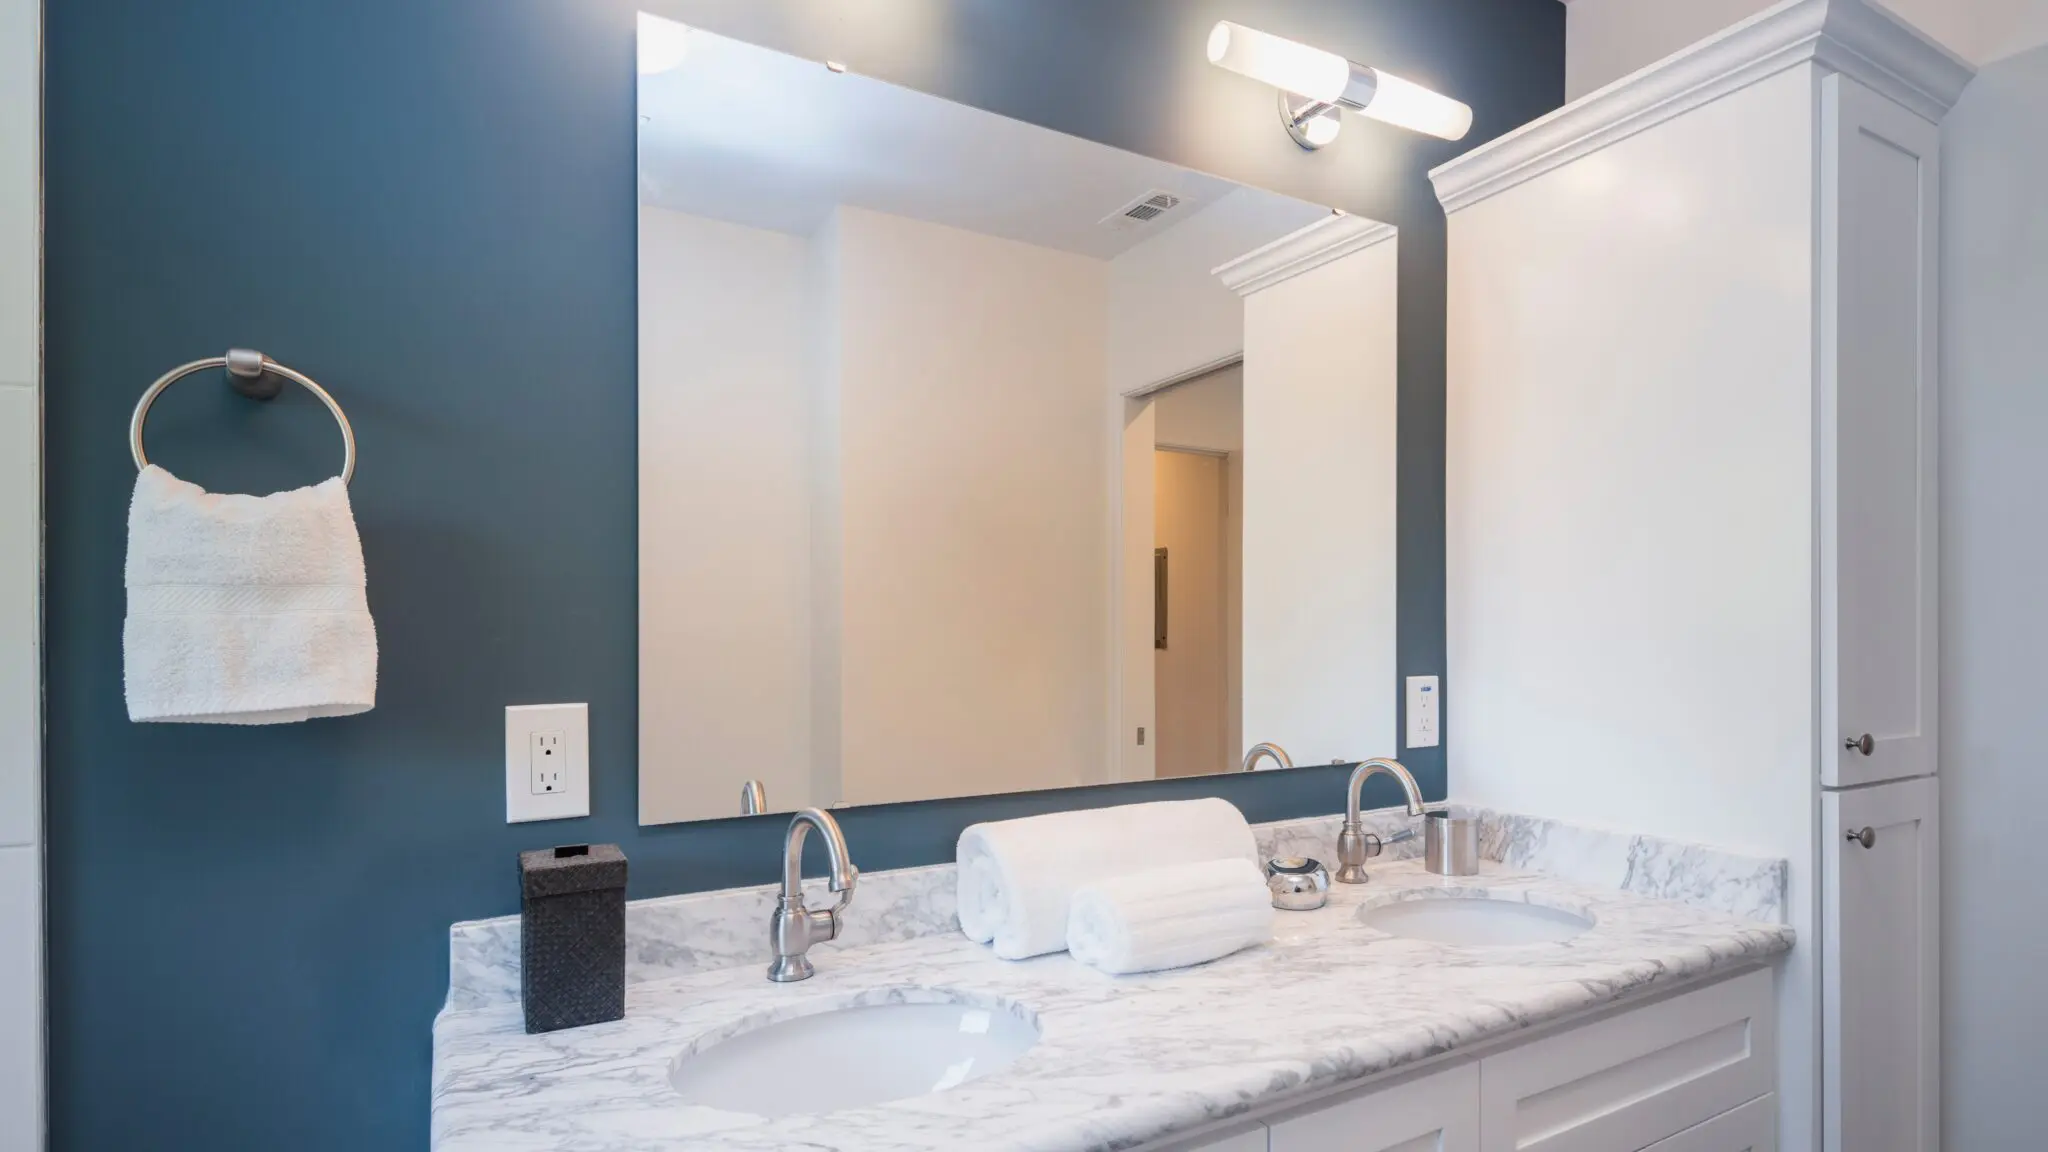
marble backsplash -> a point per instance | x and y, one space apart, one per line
702 931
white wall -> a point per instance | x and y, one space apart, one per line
1206 412
1994 617
827 523
725 644
1319 501
1168 316
21 810
1629 485
975 495
1608 39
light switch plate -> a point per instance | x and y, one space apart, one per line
547 789
1425 712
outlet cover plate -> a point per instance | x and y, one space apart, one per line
1425 712
525 725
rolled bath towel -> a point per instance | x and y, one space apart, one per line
1017 877
245 609
1170 917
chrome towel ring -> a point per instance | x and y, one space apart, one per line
251 373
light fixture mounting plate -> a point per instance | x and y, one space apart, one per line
1298 113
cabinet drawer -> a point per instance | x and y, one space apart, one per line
1437 1112
1626 1082
1750 1128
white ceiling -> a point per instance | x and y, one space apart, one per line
751 136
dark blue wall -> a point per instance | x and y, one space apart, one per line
429 205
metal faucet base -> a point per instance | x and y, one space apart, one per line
790 969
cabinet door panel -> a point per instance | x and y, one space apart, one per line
1879 226
1623 1083
1750 1128
1438 1112
1880 935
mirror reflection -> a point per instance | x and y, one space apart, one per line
979 458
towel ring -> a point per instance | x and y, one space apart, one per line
250 373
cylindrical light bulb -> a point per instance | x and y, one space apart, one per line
663 44
1321 130
1414 107
1284 64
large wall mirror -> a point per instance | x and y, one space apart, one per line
978 458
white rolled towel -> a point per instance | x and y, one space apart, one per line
1170 917
1017 877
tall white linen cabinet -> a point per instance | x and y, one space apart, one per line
1692 544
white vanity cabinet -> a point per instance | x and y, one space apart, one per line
1688 1073
1628 1081
1437 1112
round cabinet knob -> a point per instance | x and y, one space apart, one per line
1865 836
1863 744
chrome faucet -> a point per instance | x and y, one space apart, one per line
794 928
1278 754
1354 844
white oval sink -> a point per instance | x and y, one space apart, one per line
1472 918
849 1056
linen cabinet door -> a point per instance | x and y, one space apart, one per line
1880 976
1876 425
1437 1112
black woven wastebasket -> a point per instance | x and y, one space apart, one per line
572 935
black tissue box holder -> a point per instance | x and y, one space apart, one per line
572 936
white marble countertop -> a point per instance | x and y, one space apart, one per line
1120 1061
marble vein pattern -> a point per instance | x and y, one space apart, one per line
1120 1060
1750 887
673 935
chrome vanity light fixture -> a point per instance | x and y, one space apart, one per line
1314 85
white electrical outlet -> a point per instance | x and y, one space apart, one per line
544 760
547 762
1425 707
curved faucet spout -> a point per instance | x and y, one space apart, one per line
1380 766
1279 755
843 874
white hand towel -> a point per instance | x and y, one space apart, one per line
1016 877
245 609
1170 917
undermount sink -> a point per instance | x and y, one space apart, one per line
851 1055
1472 918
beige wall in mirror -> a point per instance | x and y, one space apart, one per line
977 458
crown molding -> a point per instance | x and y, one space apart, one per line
1330 238
1847 36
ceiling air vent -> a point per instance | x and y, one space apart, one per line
1145 209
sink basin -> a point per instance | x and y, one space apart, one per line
851 1055
1472 918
